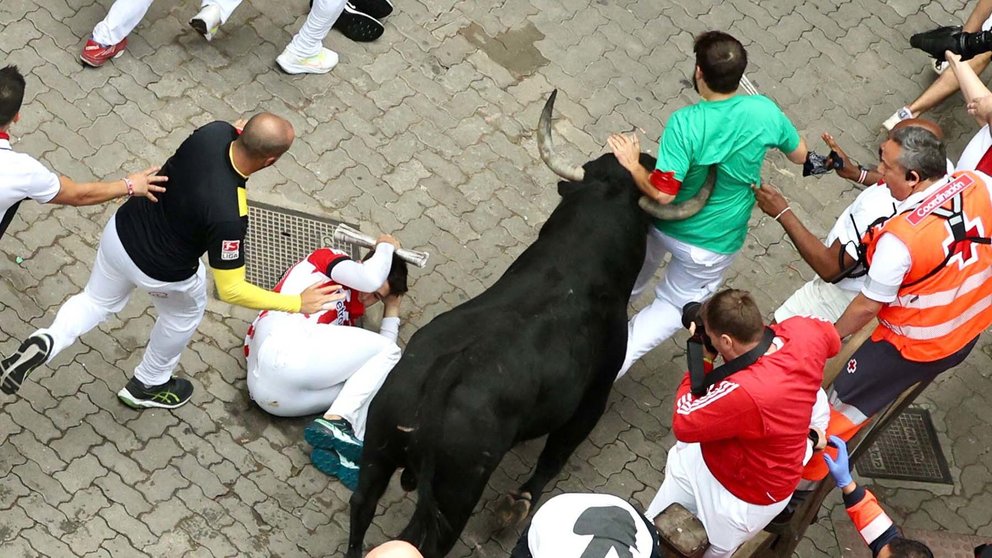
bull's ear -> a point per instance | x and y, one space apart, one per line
566 187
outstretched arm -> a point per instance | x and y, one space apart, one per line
145 183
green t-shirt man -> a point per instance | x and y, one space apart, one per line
735 134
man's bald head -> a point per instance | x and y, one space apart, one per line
928 125
266 137
395 549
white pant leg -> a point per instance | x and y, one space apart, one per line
227 7
816 299
693 274
122 18
352 403
106 293
676 487
729 521
180 308
310 38
297 367
653 257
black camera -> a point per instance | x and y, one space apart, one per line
691 314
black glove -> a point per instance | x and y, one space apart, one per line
936 41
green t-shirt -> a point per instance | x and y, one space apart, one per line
735 134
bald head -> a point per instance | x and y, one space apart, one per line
395 549
266 137
928 125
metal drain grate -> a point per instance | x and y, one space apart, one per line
907 449
278 238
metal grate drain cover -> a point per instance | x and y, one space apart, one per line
278 238
907 449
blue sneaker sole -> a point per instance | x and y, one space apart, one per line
329 463
319 436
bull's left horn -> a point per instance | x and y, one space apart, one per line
684 210
546 145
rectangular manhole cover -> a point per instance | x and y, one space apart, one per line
278 238
907 449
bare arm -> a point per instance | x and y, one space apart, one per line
971 85
978 16
861 311
145 183
627 150
798 155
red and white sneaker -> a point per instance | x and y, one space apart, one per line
94 54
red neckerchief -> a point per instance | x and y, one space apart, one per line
985 164
4 136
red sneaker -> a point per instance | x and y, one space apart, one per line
94 54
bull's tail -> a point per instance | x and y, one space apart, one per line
429 529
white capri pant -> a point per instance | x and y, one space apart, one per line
693 274
729 521
297 367
180 307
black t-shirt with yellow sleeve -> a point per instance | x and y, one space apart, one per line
204 209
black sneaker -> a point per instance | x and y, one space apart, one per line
375 8
170 395
32 353
358 26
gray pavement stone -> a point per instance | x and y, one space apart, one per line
427 133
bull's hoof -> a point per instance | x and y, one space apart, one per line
408 480
512 509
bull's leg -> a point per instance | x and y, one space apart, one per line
560 445
372 482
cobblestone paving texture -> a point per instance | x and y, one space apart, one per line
427 133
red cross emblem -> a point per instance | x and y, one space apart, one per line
852 366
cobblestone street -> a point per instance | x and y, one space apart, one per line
427 133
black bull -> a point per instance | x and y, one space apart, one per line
535 354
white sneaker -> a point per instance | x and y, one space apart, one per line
938 66
902 114
207 22
320 63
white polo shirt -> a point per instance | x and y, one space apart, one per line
22 176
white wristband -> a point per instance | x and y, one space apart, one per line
781 213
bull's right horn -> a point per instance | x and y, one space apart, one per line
684 210
546 145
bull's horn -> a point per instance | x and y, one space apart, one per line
684 210
546 145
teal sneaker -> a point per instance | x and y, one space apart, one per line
334 435
333 465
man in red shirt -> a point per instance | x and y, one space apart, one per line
741 446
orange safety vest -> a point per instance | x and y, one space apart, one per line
945 300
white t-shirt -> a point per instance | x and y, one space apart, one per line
566 525
975 149
874 202
22 176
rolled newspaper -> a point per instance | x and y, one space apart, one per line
344 233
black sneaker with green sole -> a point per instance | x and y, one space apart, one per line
170 395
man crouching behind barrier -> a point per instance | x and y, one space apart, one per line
742 438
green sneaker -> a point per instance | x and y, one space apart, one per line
170 395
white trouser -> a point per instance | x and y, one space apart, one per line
297 367
816 299
728 520
125 15
180 307
693 274
310 39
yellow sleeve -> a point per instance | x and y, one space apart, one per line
232 288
